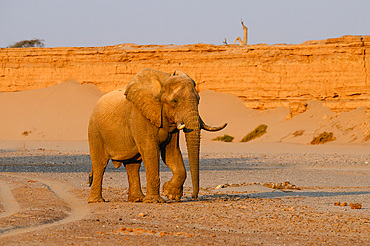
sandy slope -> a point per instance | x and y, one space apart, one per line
59 112
347 127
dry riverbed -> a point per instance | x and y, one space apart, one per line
271 199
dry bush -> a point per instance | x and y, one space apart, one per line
298 133
257 132
224 138
324 137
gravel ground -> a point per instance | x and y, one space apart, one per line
51 190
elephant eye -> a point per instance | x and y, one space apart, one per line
175 100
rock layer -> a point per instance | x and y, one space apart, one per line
334 71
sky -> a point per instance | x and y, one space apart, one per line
79 23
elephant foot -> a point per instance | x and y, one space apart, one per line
135 197
153 199
95 199
172 193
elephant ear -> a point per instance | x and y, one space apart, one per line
144 92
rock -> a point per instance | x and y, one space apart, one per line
355 205
220 186
333 71
143 215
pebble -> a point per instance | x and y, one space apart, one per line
143 215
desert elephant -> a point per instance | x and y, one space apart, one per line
141 124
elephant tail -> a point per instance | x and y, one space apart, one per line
90 179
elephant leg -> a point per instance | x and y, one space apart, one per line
134 189
171 155
99 161
151 162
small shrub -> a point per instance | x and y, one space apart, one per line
323 138
28 43
298 133
256 133
224 138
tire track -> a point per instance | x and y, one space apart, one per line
11 205
79 209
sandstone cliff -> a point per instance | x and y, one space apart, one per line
334 71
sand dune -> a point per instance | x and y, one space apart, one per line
61 113
347 127
217 108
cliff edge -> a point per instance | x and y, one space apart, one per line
334 71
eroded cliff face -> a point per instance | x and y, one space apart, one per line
334 71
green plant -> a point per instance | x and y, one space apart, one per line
257 132
224 138
323 138
28 43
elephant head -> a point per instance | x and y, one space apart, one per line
170 101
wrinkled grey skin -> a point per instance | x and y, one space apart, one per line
142 124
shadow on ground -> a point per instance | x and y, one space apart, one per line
244 196
82 163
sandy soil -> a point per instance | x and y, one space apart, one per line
275 190
50 207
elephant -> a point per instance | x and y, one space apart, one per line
142 124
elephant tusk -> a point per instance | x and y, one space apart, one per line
211 128
180 126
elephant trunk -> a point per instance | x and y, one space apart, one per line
192 136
